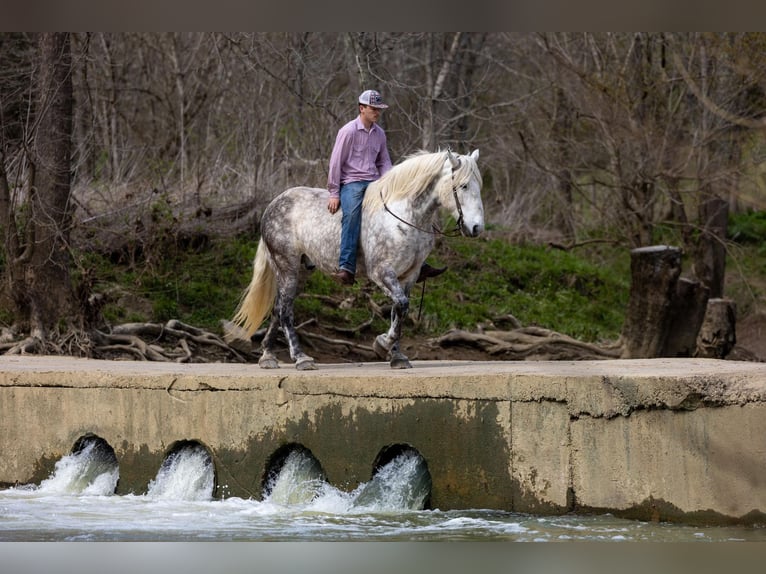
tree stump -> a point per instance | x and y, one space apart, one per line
654 273
717 335
687 311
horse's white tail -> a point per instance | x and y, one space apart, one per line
258 298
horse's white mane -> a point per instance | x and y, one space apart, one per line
412 176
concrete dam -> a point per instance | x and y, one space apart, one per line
655 439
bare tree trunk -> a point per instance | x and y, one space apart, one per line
435 88
365 60
41 286
710 260
562 128
717 335
180 94
654 273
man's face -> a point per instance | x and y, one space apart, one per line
370 114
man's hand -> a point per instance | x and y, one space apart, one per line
333 204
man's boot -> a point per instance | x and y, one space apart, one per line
343 277
427 271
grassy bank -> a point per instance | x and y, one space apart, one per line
582 293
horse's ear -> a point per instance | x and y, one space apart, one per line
455 161
475 155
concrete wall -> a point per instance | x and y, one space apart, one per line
654 439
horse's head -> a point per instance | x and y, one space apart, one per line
467 207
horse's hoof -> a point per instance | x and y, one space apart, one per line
378 347
268 363
306 364
400 362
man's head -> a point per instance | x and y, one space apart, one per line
370 107
373 99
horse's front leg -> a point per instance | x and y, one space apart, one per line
387 345
286 299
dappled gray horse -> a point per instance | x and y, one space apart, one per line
299 233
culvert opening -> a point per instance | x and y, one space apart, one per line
186 473
293 475
400 479
91 468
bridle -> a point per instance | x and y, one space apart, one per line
434 229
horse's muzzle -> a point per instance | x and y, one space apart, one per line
474 231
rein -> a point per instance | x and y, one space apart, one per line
435 230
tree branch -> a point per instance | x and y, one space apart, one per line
711 105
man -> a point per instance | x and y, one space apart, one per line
359 157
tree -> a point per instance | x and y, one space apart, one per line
37 214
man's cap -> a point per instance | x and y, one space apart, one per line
372 98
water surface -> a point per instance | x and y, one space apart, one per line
77 504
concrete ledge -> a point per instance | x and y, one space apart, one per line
675 439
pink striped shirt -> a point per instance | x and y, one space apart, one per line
358 155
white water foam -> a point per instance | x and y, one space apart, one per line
83 472
402 484
186 474
300 480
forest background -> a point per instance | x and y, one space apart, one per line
134 168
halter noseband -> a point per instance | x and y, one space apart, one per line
435 230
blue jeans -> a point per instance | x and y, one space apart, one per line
351 196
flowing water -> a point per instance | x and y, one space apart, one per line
76 504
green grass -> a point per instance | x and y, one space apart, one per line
748 227
541 286
198 287
562 291
746 261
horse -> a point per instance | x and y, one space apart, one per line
299 235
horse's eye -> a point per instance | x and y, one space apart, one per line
464 186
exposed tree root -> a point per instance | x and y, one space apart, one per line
170 342
28 346
344 343
528 343
175 341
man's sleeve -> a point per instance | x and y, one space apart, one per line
339 152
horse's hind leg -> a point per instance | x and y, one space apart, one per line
284 308
268 359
